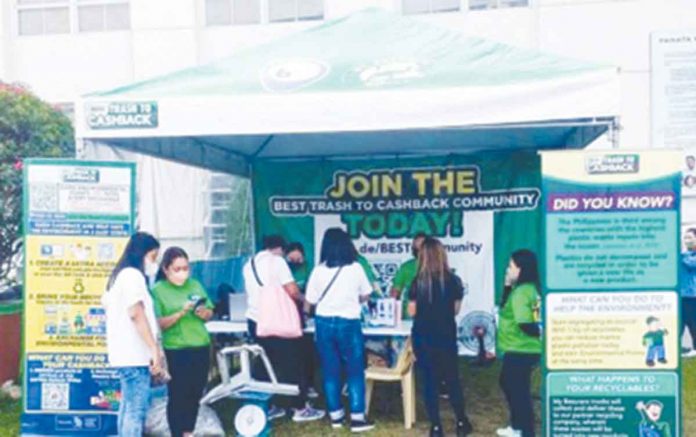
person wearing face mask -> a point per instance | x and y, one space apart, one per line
406 275
182 306
131 331
519 338
295 255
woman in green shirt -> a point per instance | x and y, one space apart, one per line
519 338
182 308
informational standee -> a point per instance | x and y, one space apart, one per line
611 302
78 216
466 202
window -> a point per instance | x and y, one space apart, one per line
280 11
42 17
95 17
39 17
496 4
239 12
411 7
224 12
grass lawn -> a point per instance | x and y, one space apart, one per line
485 407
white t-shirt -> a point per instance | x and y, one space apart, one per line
343 298
125 346
272 270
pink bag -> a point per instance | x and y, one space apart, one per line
278 313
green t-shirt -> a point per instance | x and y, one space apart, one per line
301 274
402 281
371 276
190 330
521 307
654 338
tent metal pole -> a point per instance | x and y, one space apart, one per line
252 218
614 129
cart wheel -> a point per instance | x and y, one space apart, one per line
250 420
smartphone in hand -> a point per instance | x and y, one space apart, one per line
200 302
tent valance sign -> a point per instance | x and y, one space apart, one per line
370 83
121 115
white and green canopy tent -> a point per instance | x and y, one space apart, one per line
370 84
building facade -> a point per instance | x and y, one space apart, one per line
64 48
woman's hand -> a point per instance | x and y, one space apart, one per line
188 306
156 363
203 313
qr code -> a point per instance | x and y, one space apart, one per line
43 197
55 396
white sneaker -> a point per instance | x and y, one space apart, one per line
312 394
508 432
308 414
690 353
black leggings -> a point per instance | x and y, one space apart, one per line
437 362
516 381
287 357
189 370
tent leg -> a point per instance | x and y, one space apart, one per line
613 133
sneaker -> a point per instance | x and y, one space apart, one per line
308 414
436 431
337 423
508 432
662 361
312 394
650 363
361 425
464 428
690 353
275 413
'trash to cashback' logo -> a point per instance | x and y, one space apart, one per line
612 164
122 115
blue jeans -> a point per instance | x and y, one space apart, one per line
135 400
657 351
341 350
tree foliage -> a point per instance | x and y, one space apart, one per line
29 128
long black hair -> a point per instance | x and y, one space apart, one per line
337 249
526 261
170 255
139 245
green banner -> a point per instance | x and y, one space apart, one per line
482 207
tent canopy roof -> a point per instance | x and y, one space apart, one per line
370 83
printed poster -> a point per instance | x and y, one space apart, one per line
78 216
481 209
611 300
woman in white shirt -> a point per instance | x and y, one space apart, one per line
337 287
131 331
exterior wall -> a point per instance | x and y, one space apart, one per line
166 35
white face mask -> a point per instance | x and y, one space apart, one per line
178 278
151 268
